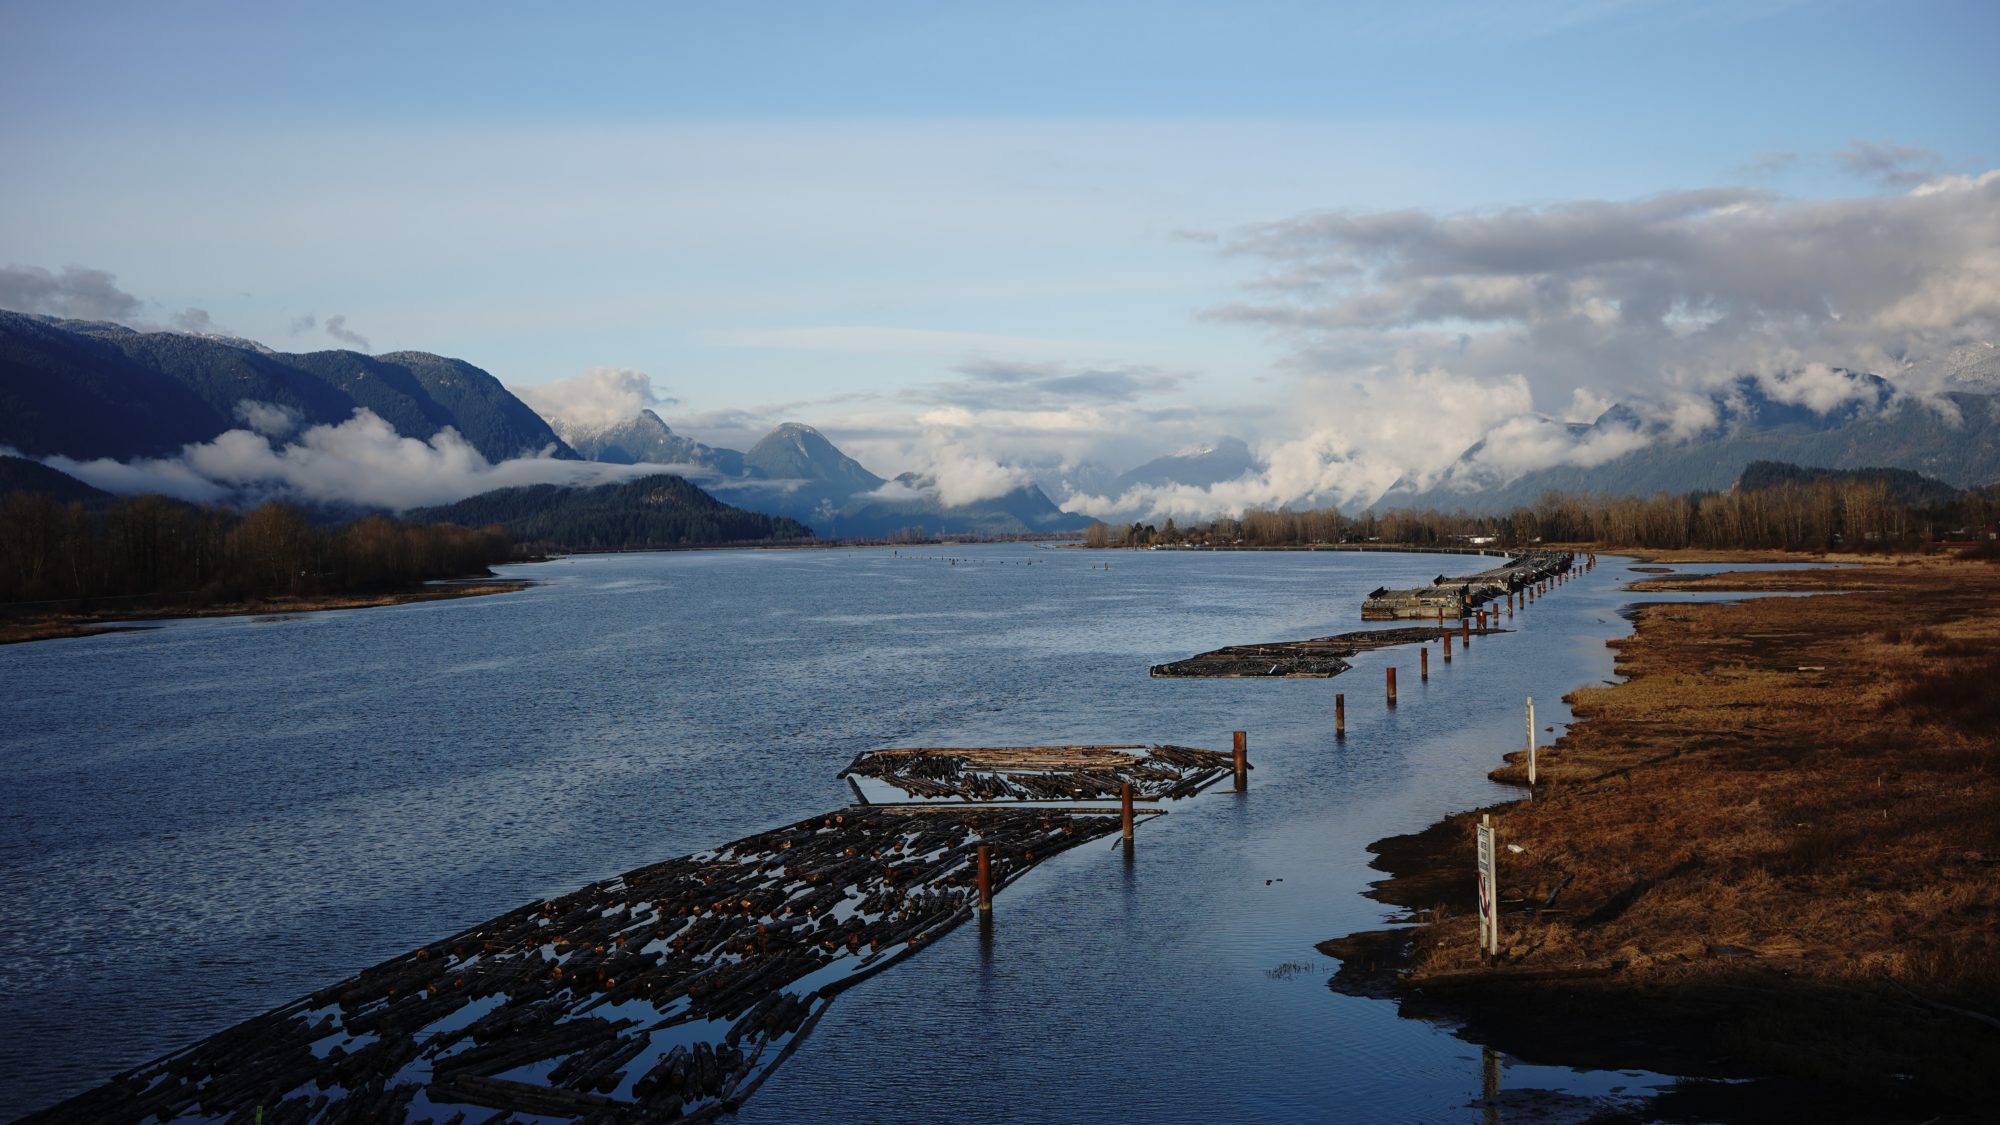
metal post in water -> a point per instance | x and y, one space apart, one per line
1447 648
1424 663
1125 807
1339 715
1465 631
986 877
1242 762
1392 687
1489 1087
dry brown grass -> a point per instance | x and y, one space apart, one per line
1789 815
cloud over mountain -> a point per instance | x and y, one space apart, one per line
74 292
1418 336
601 396
361 461
1688 287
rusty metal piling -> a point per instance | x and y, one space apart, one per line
986 877
1242 761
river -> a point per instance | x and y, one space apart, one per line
206 820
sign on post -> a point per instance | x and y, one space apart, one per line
1489 890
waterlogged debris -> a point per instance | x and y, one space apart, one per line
1318 658
667 993
1456 597
1444 600
1042 773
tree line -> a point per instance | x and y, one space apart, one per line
182 553
656 511
1799 515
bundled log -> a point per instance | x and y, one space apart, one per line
723 936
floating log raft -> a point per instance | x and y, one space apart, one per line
1458 597
1042 773
1318 658
667 993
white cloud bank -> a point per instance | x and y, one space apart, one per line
361 461
599 397
1418 335
1410 337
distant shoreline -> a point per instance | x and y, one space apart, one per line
57 626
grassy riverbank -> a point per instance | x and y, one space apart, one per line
54 626
1773 852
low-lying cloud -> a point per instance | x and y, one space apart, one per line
599 397
1419 348
362 461
1422 342
1359 435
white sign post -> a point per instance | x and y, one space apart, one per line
1531 745
1489 890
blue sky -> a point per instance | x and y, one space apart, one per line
834 212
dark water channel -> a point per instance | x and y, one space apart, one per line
201 822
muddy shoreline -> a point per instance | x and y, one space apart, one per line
1766 861
56 626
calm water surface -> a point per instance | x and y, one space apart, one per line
207 820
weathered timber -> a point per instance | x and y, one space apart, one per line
1318 658
1458 597
666 993
1037 773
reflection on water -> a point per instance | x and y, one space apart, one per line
207 820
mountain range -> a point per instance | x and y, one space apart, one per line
795 472
644 439
1954 438
654 511
86 390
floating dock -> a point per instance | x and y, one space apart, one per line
1457 597
1318 658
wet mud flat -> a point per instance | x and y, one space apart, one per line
1041 773
1318 658
666 993
95 617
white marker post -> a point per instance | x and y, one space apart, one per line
1531 744
1489 890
